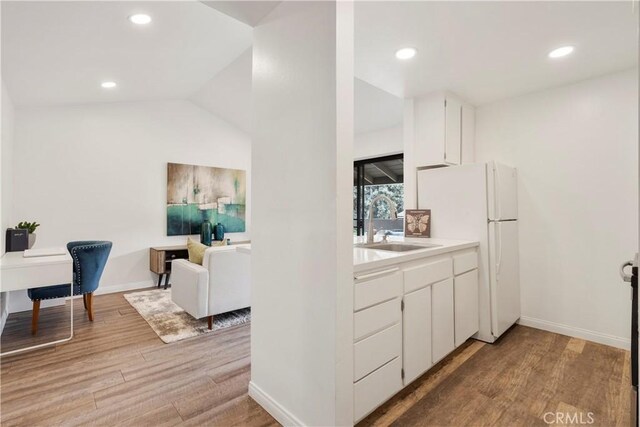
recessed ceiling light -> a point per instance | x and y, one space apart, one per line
406 53
560 52
108 85
140 19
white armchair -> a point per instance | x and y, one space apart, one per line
221 284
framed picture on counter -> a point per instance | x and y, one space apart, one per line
417 223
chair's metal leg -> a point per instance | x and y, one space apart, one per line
47 344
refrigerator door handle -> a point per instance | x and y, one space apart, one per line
496 192
499 244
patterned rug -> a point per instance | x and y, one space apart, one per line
172 323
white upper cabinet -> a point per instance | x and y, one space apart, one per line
444 130
452 131
468 136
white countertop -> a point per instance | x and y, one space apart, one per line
368 259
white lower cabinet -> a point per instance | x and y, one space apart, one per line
416 330
442 319
407 318
374 389
375 319
377 336
467 319
373 352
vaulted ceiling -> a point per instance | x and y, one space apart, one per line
57 53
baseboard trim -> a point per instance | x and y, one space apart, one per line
276 410
585 334
103 290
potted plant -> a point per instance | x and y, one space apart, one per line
31 228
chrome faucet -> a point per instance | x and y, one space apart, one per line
392 207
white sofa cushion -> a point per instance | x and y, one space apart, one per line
221 284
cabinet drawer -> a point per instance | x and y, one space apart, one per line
465 262
377 290
421 276
373 352
376 318
376 388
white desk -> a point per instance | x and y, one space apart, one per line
18 273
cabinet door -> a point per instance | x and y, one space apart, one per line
442 326
466 305
453 132
416 349
468 136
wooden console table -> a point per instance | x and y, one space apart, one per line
160 258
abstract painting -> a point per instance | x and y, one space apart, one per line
198 193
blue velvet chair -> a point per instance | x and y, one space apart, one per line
89 259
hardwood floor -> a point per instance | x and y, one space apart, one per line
515 382
116 371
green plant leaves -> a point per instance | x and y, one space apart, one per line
30 226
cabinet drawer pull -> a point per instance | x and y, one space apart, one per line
376 274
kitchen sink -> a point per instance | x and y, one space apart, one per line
395 247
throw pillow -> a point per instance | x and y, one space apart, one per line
196 251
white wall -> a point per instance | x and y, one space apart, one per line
302 256
576 150
6 187
409 163
383 142
99 172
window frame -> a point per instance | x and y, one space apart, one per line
359 183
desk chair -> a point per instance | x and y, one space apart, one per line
89 259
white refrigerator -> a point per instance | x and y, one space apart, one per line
479 202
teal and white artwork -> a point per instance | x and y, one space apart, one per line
198 193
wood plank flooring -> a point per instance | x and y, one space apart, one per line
116 371
515 382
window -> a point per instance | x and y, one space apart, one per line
381 175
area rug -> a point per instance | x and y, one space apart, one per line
172 323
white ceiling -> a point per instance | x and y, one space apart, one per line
485 51
249 12
58 52
375 109
228 94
